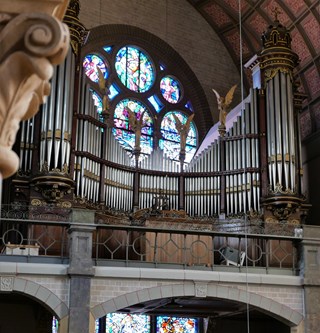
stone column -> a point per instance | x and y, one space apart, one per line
310 268
80 270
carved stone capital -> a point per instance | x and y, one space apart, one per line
31 43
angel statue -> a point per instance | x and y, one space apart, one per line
136 125
183 130
223 104
104 90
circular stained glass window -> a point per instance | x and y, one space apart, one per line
134 69
170 89
123 131
170 142
90 63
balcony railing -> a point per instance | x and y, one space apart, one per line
228 245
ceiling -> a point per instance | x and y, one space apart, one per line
301 17
202 307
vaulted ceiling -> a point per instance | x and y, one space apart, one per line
301 17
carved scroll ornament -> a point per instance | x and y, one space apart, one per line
31 43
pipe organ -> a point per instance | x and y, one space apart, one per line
252 169
57 119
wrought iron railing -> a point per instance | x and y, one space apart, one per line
158 243
158 247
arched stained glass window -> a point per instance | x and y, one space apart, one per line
122 129
170 141
90 63
170 89
144 81
134 69
97 101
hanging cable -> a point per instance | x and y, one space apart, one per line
245 168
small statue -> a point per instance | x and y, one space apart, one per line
183 130
136 125
104 89
223 104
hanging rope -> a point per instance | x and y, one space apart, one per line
245 171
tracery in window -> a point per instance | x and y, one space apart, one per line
123 131
171 138
134 69
145 83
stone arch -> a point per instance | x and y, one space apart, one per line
37 292
269 306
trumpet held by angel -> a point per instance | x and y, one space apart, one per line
224 103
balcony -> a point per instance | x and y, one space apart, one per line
159 241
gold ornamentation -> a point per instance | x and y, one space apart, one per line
183 130
136 126
223 105
270 73
36 202
278 189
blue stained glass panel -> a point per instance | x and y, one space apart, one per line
97 101
134 69
113 92
189 106
108 49
55 325
166 324
170 89
127 323
90 63
122 129
170 142
155 103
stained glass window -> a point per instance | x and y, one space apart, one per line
166 324
134 69
170 141
108 49
55 325
155 103
127 323
170 89
122 129
97 101
90 63
131 77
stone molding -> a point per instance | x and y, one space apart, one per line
32 40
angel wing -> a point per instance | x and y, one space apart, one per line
229 96
188 122
132 118
102 81
217 95
178 123
141 117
